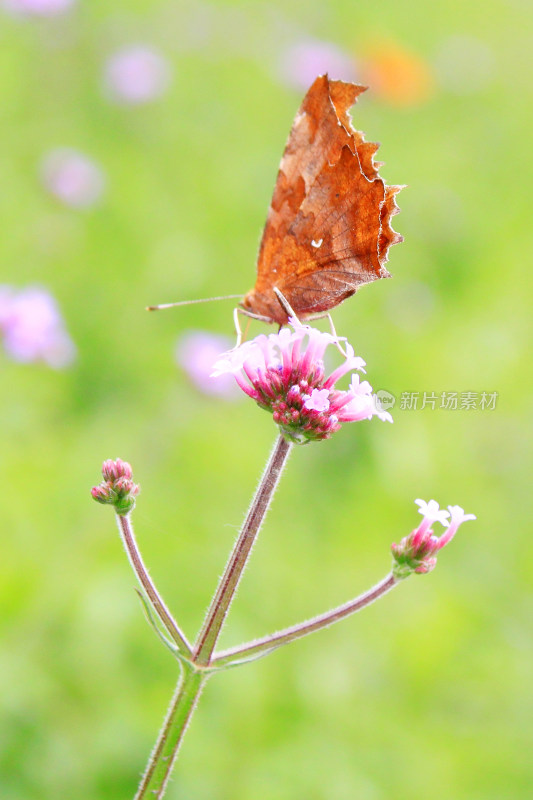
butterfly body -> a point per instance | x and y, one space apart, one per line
328 226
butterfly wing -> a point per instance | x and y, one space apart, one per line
328 226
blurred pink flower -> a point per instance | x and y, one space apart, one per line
302 62
32 327
197 352
37 8
73 178
137 74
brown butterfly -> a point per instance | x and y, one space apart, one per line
328 226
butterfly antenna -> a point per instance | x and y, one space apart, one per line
286 306
192 302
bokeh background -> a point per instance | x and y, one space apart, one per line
140 143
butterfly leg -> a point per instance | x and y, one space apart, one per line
334 333
340 348
291 314
284 303
249 315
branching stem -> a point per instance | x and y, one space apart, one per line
198 663
261 647
195 673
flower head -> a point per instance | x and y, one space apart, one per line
417 552
117 488
32 327
284 373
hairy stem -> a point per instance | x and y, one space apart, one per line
193 675
163 756
228 584
265 645
128 539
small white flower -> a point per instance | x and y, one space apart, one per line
318 400
432 512
458 515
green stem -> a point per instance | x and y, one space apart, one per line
130 545
228 584
163 756
261 647
194 674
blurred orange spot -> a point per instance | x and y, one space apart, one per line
400 77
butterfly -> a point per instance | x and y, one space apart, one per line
328 229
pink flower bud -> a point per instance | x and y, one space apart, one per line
117 488
103 493
417 552
125 486
112 470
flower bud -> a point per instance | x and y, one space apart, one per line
112 470
117 488
417 551
102 493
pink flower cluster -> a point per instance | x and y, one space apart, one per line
32 327
417 552
284 373
117 488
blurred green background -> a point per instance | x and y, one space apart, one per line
429 691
